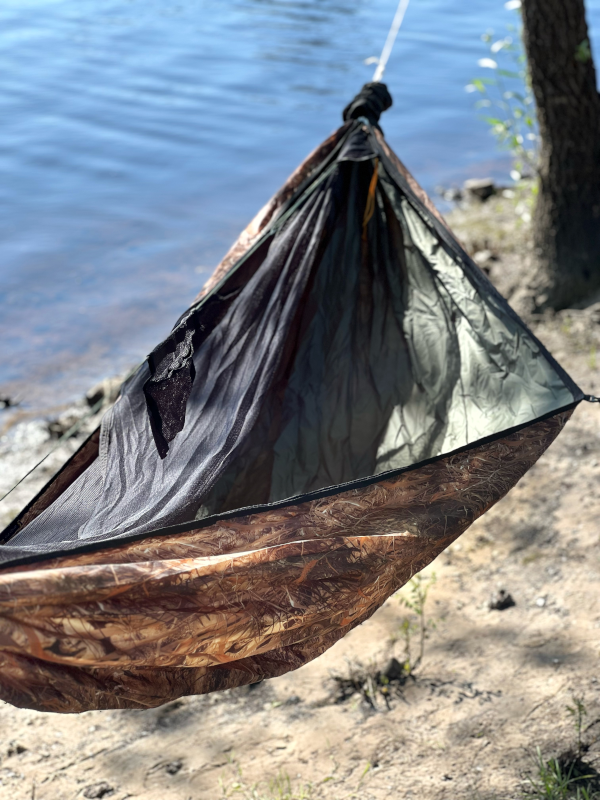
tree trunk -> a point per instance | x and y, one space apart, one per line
567 216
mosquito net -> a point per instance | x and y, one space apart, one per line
353 338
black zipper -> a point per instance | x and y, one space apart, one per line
296 500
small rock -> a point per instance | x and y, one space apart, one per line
293 700
452 195
58 427
173 767
483 257
540 602
98 790
8 402
107 391
500 601
15 749
394 670
480 188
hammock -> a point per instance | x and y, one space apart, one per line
344 398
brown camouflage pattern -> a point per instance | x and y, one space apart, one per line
242 599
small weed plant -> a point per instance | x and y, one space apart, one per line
378 687
283 788
578 711
567 777
555 780
279 788
414 598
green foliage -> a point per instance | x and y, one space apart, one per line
578 711
583 54
278 788
282 787
415 601
364 774
568 777
508 99
555 782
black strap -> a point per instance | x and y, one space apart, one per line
372 100
591 398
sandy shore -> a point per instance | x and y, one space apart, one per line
26 439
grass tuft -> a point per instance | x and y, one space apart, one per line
565 778
279 788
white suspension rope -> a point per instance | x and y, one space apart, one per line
389 42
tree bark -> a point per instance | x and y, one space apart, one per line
567 216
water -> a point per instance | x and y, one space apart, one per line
139 136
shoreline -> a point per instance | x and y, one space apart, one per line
27 439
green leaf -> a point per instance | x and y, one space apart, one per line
506 73
481 83
512 116
583 53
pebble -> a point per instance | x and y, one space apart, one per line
480 188
96 791
501 600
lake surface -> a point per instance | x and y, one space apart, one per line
139 136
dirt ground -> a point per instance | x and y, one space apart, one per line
493 685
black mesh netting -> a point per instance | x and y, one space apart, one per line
344 344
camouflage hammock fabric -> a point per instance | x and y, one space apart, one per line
299 525
241 600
